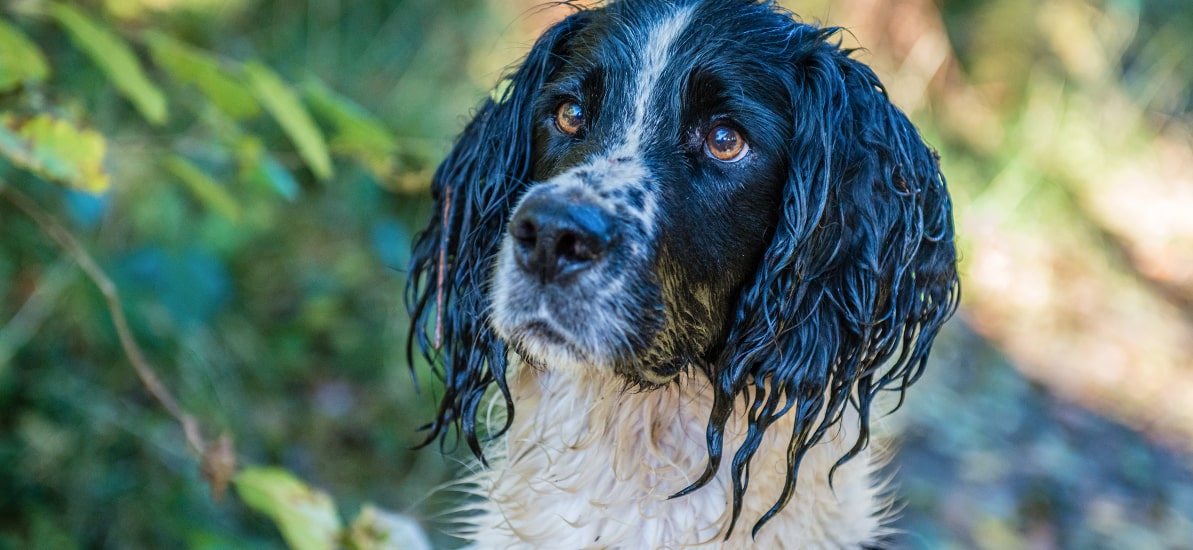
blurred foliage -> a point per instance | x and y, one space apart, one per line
255 220
249 175
309 521
306 517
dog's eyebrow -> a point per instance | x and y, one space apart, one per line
577 80
704 89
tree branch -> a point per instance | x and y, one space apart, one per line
218 461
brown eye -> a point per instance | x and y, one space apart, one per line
569 117
725 144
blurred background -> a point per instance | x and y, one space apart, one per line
264 164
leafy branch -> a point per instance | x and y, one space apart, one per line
307 518
44 139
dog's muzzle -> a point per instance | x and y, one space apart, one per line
556 237
572 286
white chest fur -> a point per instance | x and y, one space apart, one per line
588 464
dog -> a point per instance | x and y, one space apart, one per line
672 263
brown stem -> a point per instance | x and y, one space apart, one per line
79 254
445 237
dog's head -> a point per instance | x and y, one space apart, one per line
691 186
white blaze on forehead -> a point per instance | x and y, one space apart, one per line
621 166
654 58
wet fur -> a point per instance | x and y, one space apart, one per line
752 311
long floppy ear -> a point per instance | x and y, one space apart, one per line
859 277
473 191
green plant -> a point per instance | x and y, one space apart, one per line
193 157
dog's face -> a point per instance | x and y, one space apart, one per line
707 185
655 185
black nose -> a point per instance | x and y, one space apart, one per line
555 238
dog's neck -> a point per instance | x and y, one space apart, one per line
590 464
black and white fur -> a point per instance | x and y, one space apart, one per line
645 309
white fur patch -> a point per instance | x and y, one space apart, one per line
588 465
655 56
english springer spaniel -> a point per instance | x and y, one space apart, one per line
673 263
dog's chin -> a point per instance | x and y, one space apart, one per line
545 347
581 328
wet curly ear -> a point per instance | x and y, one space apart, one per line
473 191
859 276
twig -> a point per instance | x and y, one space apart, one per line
30 315
215 459
441 273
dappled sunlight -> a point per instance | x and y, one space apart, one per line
1074 288
1149 203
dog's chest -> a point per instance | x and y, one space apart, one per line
588 464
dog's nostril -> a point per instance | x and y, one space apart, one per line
573 248
525 232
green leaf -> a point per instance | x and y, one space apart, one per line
115 58
376 529
263 169
20 60
283 104
193 66
307 518
358 133
56 150
207 190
